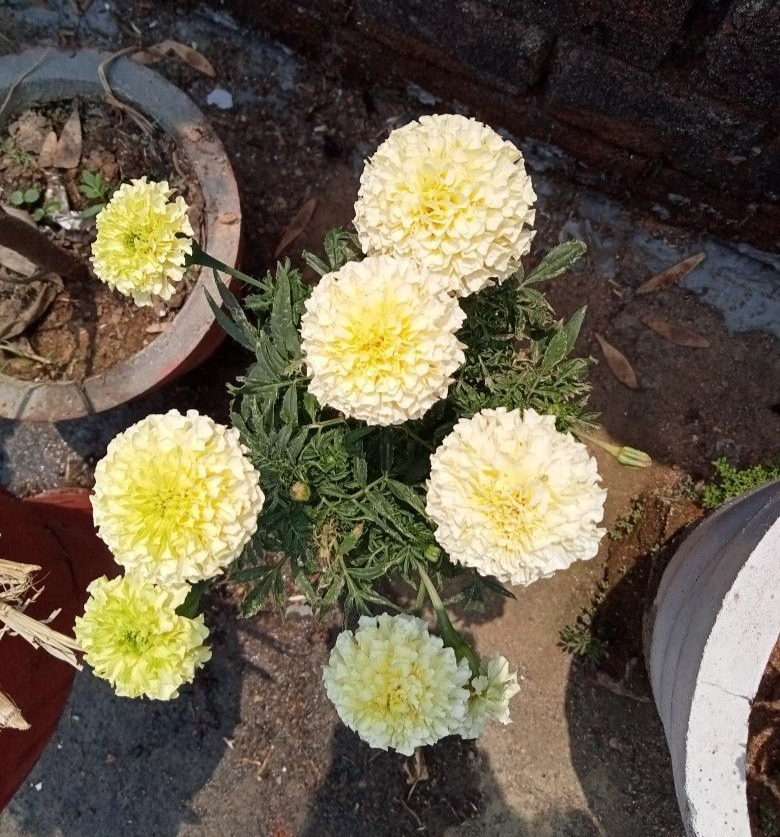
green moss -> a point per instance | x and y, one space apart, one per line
730 482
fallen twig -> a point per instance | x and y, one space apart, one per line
143 123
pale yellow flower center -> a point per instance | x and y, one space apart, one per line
379 340
134 641
399 696
439 199
163 502
508 506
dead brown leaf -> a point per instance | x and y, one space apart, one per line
296 226
15 262
22 304
677 334
671 276
618 363
68 151
48 150
21 214
191 57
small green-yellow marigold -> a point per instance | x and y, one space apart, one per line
132 636
143 239
395 684
176 498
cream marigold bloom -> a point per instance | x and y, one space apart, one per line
143 239
176 498
379 343
491 691
132 636
451 193
395 684
514 498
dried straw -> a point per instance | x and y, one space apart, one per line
38 634
10 716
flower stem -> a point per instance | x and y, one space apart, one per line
452 639
625 455
201 257
412 435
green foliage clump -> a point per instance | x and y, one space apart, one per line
626 524
345 502
729 482
579 639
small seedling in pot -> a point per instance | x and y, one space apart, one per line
30 200
95 190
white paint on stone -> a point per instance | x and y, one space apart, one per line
716 620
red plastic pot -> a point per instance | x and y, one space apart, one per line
41 75
55 531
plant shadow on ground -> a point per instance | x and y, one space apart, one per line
128 767
371 792
617 742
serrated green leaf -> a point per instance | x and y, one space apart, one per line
303 584
558 260
228 325
32 195
16 198
555 351
297 443
258 595
315 263
407 495
311 406
289 409
91 211
280 322
360 468
332 594
572 328
350 541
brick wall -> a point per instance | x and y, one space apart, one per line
651 97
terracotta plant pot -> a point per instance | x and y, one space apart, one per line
194 333
713 625
55 531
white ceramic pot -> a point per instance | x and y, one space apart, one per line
715 621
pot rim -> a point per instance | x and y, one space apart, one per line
67 74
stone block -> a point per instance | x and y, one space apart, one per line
469 33
642 32
743 58
645 114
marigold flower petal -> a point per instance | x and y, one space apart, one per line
176 498
379 342
514 498
395 684
132 636
143 239
491 691
449 192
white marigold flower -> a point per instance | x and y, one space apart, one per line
514 498
395 684
176 498
143 240
379 343
132 636
451 193
491 691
